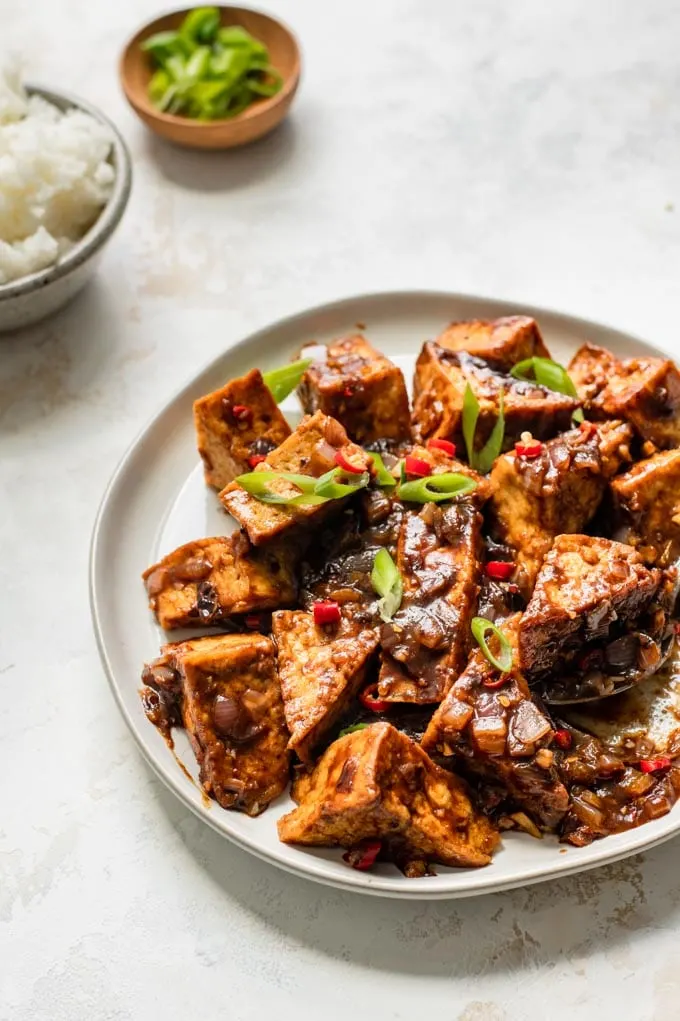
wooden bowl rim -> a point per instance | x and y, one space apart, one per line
257 109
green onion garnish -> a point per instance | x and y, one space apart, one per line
209 71
281 382
257 484
436 488
482 460
330 488
201 24
549 374
480 626
353 729
312 491
386 581
384 478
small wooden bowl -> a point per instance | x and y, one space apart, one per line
254 122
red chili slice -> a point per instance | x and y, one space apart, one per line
532 449
327 611
364 855
492 685
655 765
563 739
416 466
256 459
499 570
588 428
590 660
242 413
348 392
369 699
446 445
349 466
254 621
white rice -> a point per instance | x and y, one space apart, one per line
54 178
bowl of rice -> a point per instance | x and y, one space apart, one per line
65 177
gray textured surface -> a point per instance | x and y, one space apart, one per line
529 151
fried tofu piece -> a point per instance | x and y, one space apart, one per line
379 784
500 735
590 369
439 390
425 645
233 712
614 440
361 388
233 424
321 670
647 507
500 342
646 393
535 499
585 585
310 450
207 580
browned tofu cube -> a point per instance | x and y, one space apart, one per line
439 390
585 585
207 580
379 784
500 735
590 369
425 645
647 506
310 450
361 388
240 421
646 393
321 670
500 342
232 709
614 440
535 499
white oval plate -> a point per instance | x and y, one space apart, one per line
157 500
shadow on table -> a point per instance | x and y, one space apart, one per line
227 170
51 365
526 928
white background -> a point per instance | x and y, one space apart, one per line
529 151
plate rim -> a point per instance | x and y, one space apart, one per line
361 883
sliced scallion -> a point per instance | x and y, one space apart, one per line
485 458
549 374
215 71
386 581
353 729
258 484
383 477
281 382
480 626
312 491
437 488
482 460
331 488
201 24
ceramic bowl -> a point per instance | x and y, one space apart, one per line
257 120
34 297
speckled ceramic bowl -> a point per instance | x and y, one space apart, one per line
34 297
